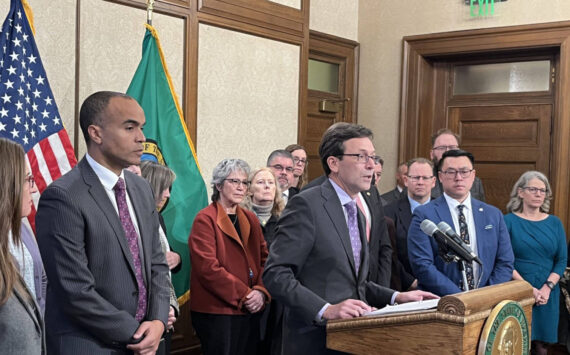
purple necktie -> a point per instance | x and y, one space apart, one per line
133 240
354 232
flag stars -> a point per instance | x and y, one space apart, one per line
18 28
40 80
17 119
30 72
25 36
22 78
19 105
32 59
19 14
56 121
48 100
14 56
28 99
6 98
11 70
27 126
9 84
43 127
33 134
16 41
2 127
45 113
3 112
23 64
34 107
15 133
33 120
36 93
25 139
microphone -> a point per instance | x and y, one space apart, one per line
429 228
447 230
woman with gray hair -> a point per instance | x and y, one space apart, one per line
539 245
228 252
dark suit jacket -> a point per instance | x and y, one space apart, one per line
400 212
311 264
493 248
93 295
393 195
380 247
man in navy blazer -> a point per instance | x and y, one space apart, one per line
488 236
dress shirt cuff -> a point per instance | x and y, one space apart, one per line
393 299
319 317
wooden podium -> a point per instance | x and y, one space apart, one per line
455 327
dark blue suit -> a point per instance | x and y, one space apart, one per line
493 248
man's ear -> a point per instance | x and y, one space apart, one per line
95 134
332 162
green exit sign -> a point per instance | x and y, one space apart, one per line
482 7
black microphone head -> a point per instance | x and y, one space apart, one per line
428 227
445 228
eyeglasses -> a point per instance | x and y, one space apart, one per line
445 148
452 173
299 161
30 180
363 158
534 190
238 182
280 167
416 178
265 182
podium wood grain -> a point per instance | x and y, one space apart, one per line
454 328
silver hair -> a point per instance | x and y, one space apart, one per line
223 170
516 204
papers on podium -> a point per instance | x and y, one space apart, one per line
405 307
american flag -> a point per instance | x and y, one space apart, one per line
28 112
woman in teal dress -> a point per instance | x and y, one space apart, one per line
539 245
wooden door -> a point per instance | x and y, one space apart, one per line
506 140
341 55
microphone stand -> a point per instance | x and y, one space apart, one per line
449 256
464 275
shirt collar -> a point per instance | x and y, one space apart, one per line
453 203
107 177
342 195
414 204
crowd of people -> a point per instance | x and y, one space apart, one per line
273 257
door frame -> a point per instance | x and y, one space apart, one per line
418 109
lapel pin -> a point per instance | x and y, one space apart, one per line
480 209
489 226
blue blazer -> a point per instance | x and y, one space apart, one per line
493 248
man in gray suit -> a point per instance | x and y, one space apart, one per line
318 263
442 141
108 291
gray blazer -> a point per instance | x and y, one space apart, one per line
311 263
93 295
21 327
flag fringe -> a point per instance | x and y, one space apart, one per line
169 79
184 298
29 15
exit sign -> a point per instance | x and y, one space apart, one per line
482 7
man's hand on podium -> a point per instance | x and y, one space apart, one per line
411 296
347 309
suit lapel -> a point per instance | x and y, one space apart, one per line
442 211
33 311
334 210
99 195
479 221
405 213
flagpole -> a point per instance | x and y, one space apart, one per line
149 9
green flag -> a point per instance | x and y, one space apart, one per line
167 136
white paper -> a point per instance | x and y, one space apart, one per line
406 307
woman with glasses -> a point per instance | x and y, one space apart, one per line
539 245
300 171
228 252
21 320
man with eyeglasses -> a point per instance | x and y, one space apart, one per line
281 163
442 141
419 181
479 225
319 260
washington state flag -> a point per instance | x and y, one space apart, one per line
168 139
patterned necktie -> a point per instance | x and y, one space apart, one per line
464 234
354 232
133 241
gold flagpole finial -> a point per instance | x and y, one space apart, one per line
149 9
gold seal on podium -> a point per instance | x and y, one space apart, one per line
506 331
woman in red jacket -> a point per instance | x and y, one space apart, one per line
228 253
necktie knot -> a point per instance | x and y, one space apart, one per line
460 208
350 208
119 186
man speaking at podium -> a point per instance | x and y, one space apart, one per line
318 264
479 225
